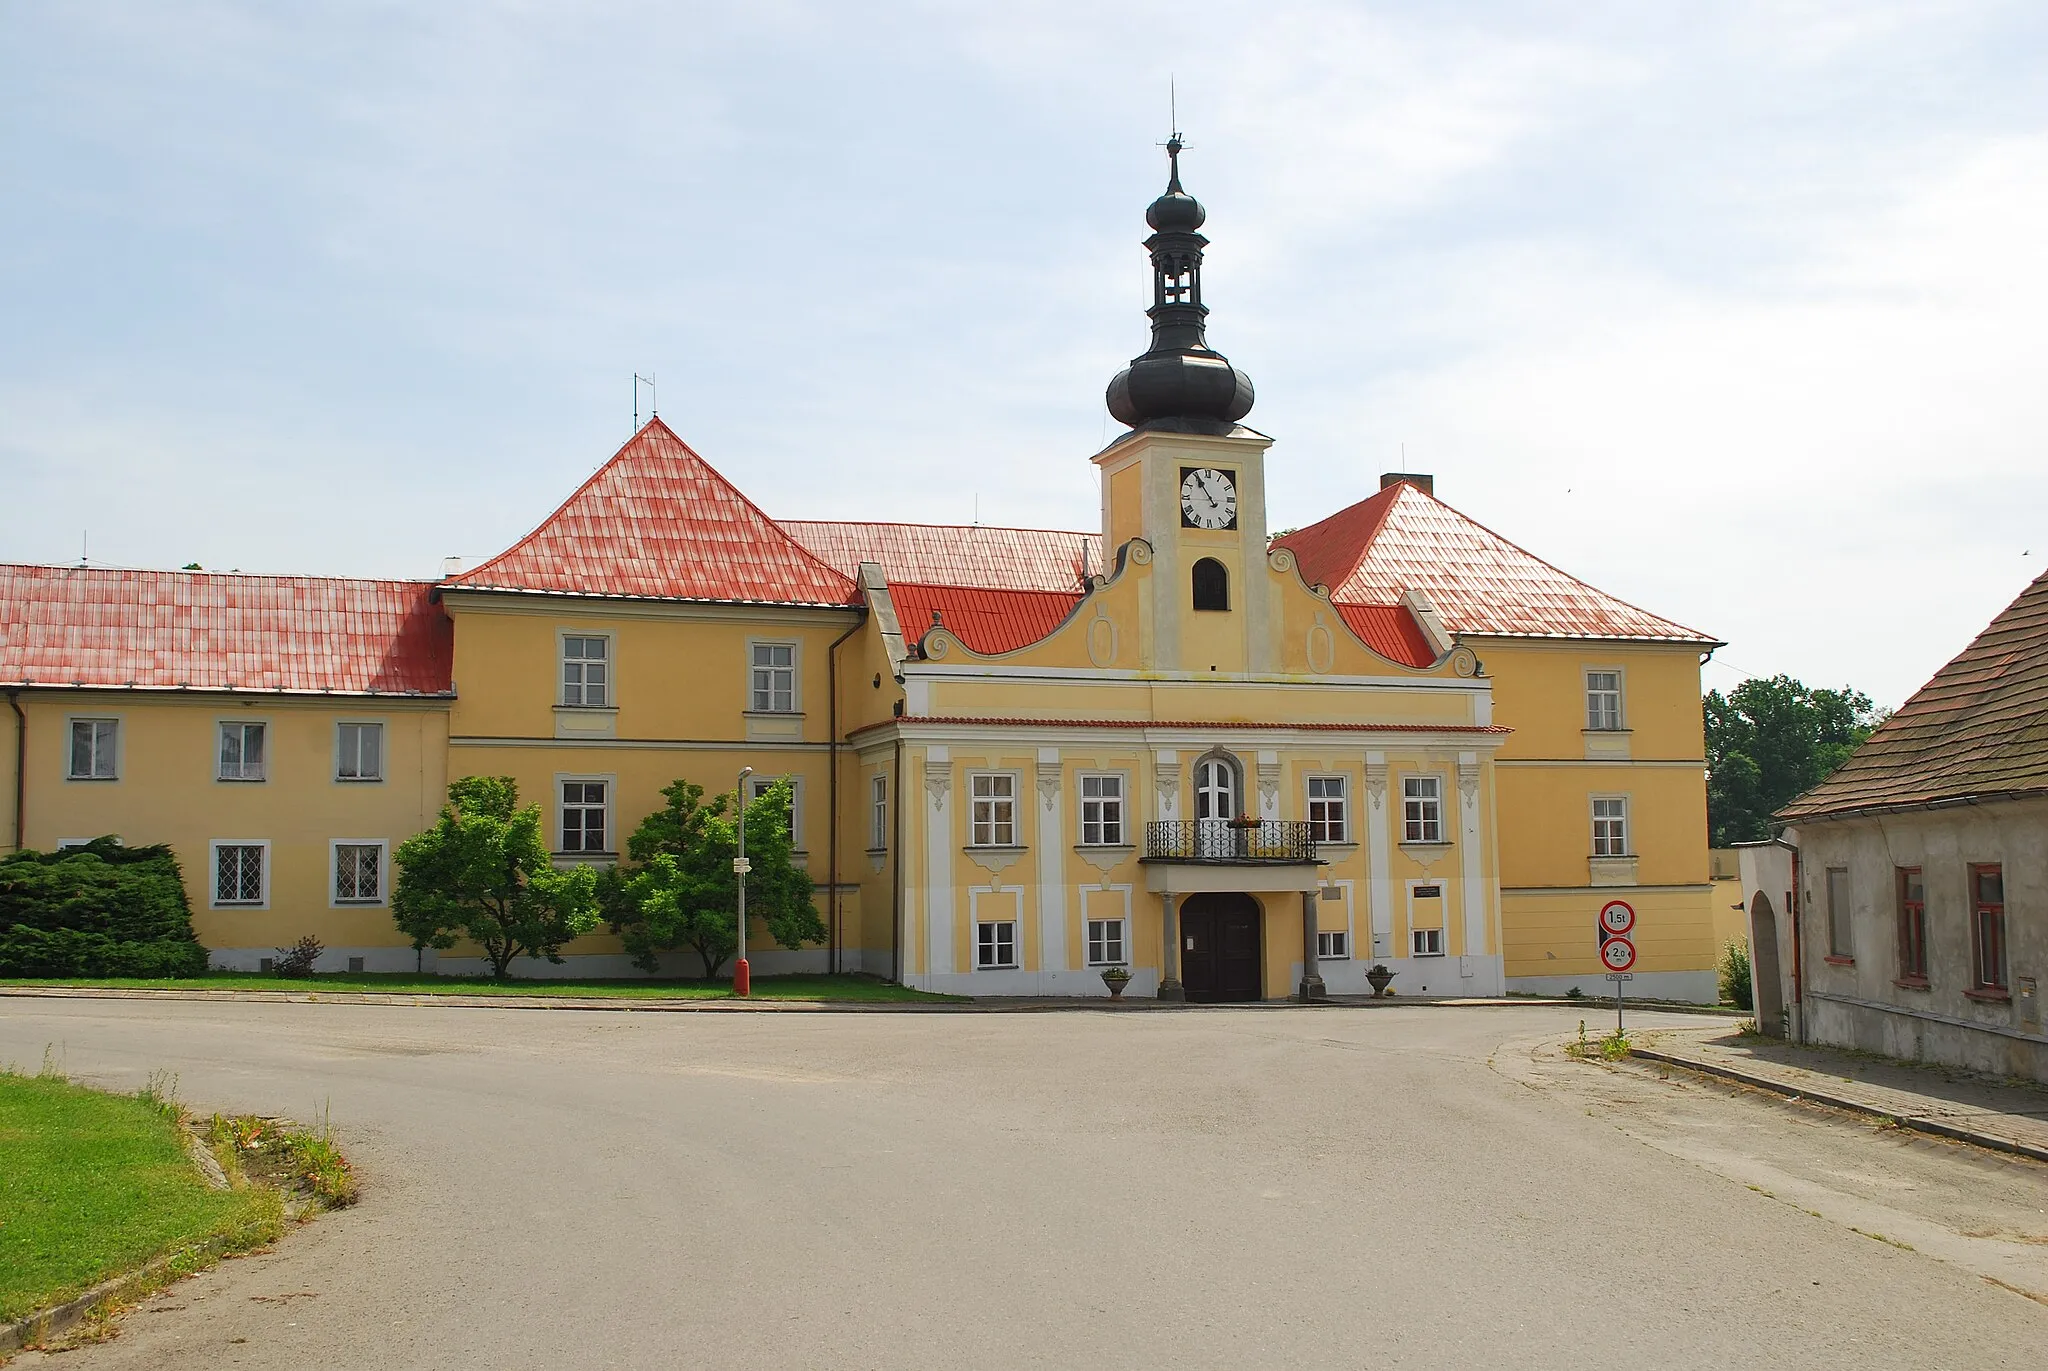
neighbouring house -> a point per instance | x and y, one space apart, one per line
1902 911
1239 767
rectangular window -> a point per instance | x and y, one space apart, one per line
1333 945
1987 926
1912 925
238 873
586 671
1102 811
878 814
774 689
994 795
1610 826
93 744
359 873
241 751
1426 942
1329 820
1422 809
360 749
758 786
1106 942
1840 943
1603 700
584 814
995 945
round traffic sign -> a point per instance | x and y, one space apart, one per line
1617 916
1619 953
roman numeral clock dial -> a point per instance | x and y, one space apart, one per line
1208 498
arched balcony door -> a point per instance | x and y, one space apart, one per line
1216 803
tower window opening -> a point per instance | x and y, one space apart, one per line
1212 584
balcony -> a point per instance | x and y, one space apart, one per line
1218 842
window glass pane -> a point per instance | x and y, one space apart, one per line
1991 885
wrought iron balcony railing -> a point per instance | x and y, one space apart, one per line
1221 840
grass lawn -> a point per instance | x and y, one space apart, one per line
865 989
93 1184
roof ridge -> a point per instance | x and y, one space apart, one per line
904 523
215 571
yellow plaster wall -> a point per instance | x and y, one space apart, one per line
1553 934
1540 691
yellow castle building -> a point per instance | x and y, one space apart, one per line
1238 767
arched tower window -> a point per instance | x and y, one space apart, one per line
1212 584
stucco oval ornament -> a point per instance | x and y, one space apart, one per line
1464 662
1322 647
1101 638
1280 559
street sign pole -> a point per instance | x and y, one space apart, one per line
742 978
1616 923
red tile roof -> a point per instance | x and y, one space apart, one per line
96 626
1392 632
988 621
956 554
1978 731
656 522
1480 583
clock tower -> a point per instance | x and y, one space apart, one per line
1188 478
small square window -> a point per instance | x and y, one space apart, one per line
1422 809
1106 942
1102 811
1329 819
757 786
359 873
238 873
994 797
586 671
995 945
1333 945
361 752
1426 942
94 745
774 678
1603 700
585 811
241 751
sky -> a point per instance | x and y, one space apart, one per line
1738 311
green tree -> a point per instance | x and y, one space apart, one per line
483 872
683 892
1770 741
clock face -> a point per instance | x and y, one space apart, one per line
1207 498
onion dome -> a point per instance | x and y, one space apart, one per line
1181 382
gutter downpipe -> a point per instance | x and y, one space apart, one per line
832 784
20 769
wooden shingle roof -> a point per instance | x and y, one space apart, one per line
1977 731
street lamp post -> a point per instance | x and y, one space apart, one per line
742 977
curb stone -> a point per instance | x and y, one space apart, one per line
1919 1123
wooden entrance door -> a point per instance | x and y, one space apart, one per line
1220 948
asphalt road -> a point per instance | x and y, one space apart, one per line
1413 1186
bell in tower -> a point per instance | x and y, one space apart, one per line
1180 383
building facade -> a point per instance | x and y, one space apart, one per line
1240 767
1902 911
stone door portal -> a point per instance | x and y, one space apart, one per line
1220 948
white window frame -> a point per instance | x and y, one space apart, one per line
1426 942
878 814
341 726
1341 800
755 668
996 803
221 726
1098 943
114 748
982 947
611 815
213 849
1608 840
1329 938
335 899
1436 799
1595 718
757 784
1101 802
563 660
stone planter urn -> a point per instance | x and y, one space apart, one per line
1116 978
1378 978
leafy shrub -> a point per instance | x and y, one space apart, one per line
1735 986
98 910
297 960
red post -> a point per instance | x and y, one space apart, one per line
742 979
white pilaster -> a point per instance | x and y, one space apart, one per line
1378 829
938 847
1052 883
1474 899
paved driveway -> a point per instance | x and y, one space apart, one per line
1219 1188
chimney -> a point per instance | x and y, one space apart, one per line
1421 480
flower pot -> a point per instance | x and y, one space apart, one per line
1116 985
1379 978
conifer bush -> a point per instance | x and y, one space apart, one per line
98 910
